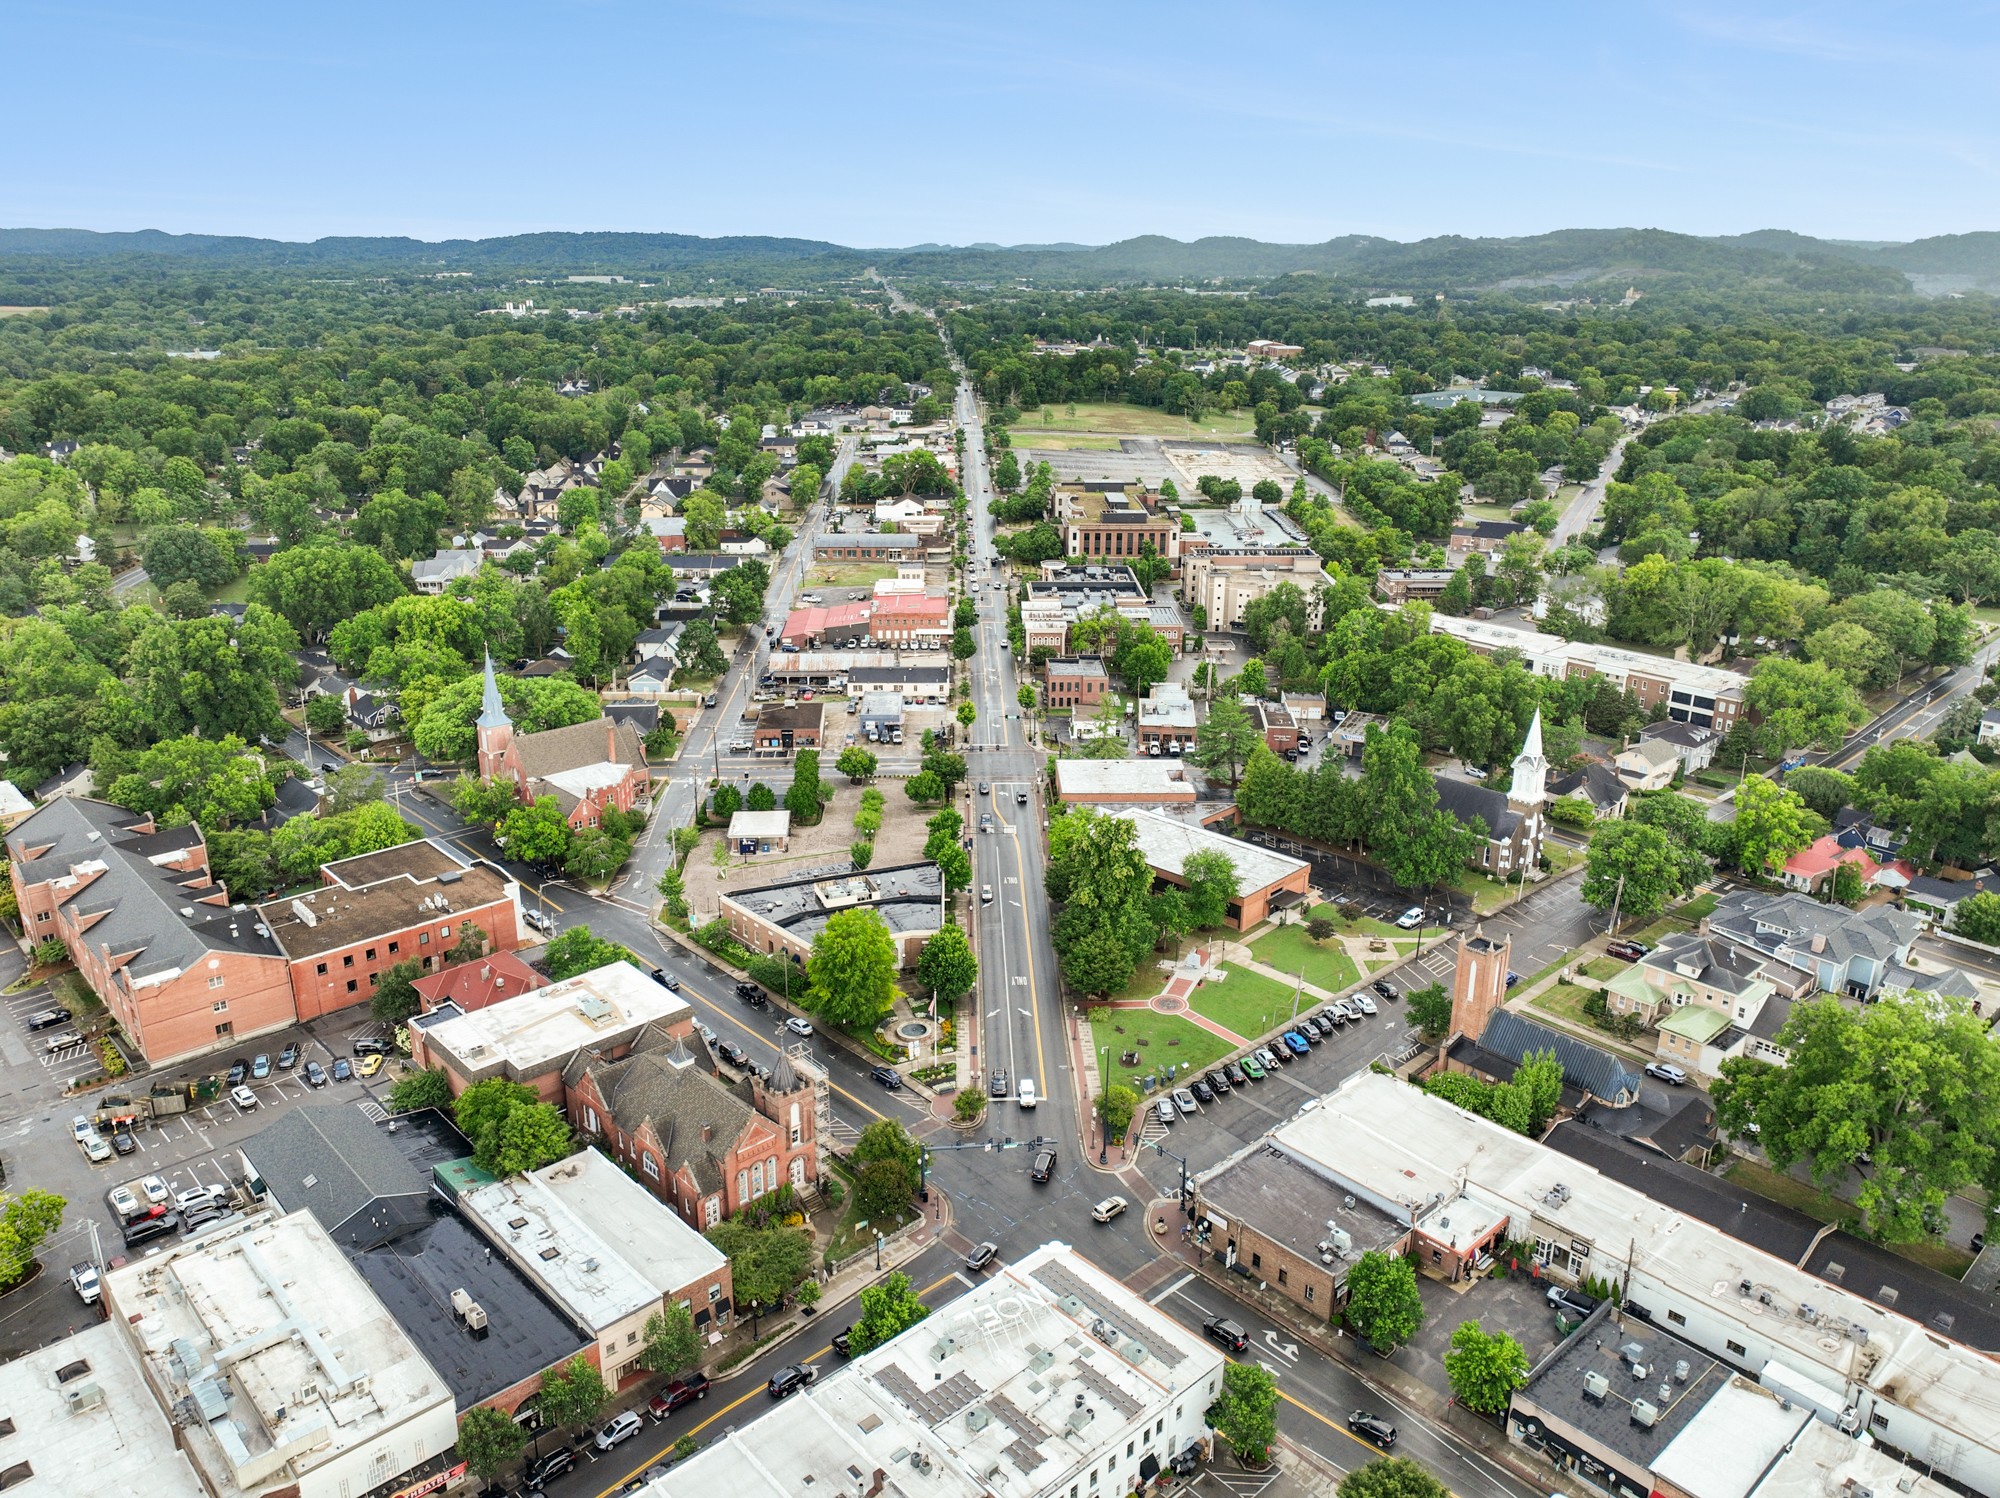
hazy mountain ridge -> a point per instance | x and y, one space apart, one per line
1358 261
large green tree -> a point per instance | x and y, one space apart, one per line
1382 1300
1484 1368
573 1394
26 1221
671 1343
887 1307
1639 869
490 1440
852 970
1225 740
1212 883
1391 1477
947 967
1245 1413
580 950
1906 1091
1771 825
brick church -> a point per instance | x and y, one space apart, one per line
585 766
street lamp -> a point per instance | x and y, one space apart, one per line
1104 1103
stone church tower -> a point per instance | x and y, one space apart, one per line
496 732
1479 984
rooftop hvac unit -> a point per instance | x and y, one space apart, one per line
1681 1371
1596 1385
943 1348
1850 1421
1644 1413
1343 1240
976 1418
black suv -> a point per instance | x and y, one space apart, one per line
1226 1334
1372 1428
887 1076
545 1468
842 1343
1218 1080
1043 1168
751 994
371 1045
791 1378
1384 991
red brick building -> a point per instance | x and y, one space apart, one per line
911 621
185 971
585 766
787 729
1277 726
410 903
1073 682
704 1146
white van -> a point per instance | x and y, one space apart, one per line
1028 1098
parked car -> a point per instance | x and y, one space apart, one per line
288 1057
751 994
1410 919
982 1256
541 920
1273 1057
843 1342
1226 1334
621 1427
343 1069
239 1071
1203 1093
1572 1303
82 1129
1252 1068
1372 1428
1218 1081
1667 1072
547 1467
799 1025
996 1085
1044 1167
731 1052
1295 1043
1309 1027
666 980
123 1142
96 1149
200 1196
1383 989
1513 978
1627 951
260 1068
155 1190
83 1279
124 1203
315 1074
1235 1073
368 1066
1184 1100
146 1229
371 1045
48 1019
1362 1002
1109 1208
887 1076
707 1035
243 1098
791 1378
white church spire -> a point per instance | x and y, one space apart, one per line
1531 769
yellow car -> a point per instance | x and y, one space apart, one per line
368 1065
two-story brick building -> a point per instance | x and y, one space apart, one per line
704 1146
911 621
1074 684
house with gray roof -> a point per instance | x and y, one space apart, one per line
1598 787
1855 953
434 574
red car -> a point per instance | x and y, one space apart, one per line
681 1391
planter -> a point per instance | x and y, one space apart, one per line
1250 1466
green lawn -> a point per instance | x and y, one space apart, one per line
1290 950
1248 1003
1565 999
847 575
1115 419
850 1235
1604 969
1052 441
1162 1040
1680 918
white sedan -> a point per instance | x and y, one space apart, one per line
1362 1002
155 1189
799 1026
124 1203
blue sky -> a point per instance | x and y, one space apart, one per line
896 123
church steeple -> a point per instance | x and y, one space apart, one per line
493 712
495 730
1531 769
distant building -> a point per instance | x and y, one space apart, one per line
1694 743
1166 720
434 574
1123 782
782 919
1265 879
1074 683
1400 585
1516 822
1114 522
585 766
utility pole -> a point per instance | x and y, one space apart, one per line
1617 895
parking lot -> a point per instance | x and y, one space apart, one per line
55 1047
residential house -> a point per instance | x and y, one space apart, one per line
1649 765
1935 899
1856 953
1710 999
740 543
660 645
1989 727
1484 536
1607 795
704 1146
1693 742
434 574
1811 869
476 983
376 716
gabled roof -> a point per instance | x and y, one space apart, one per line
331 1161
598 741
1717 964
1464 800
1787 924
669 1090
1595 783
1585 1067
1827 854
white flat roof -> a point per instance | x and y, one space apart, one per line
1035 1375
543 1024
1724 1450
747 824
1169 844
647 1233
1607 660
287 1349
578 1268
116 1441
1123 777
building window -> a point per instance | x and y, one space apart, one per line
227 1027
631 1339
41 915
395 947
423 938
374 979
352 985
648 1168
348 960
371 954
321 970
1283 1276
220 1006
712 1210
1128 1448
714 1294
1677 1318
1878 1422
1311 1293
1256 1261
1734 1347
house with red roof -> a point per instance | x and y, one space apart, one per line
1810 870
474 985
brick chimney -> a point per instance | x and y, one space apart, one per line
708 1133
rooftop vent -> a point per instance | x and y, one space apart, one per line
976 1418
1645 1413
944 1348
